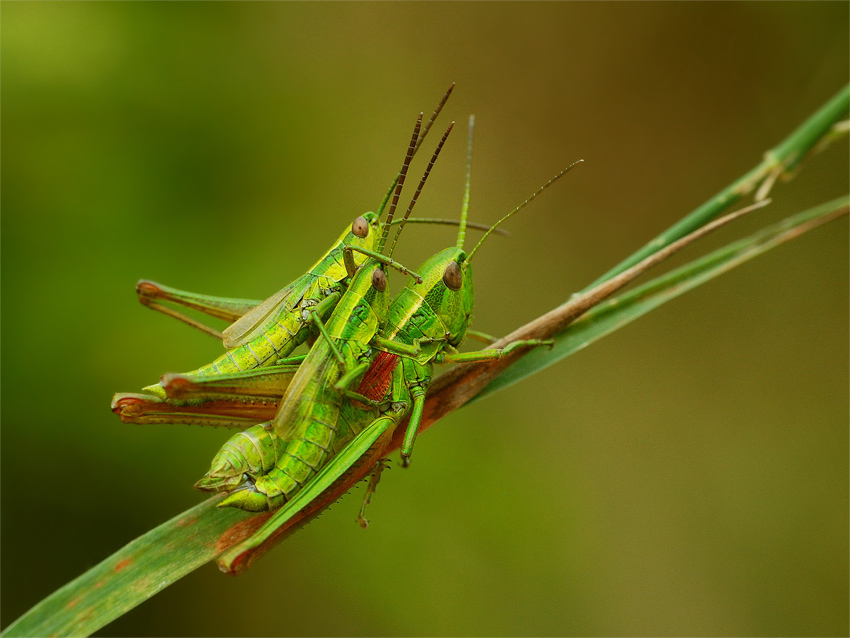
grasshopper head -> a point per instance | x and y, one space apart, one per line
447 289
370 283
365 232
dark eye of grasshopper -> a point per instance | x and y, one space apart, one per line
360 227
453 277
379 280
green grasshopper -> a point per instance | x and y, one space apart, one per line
237 400
427 320
265 333
384 375
305 426
231 391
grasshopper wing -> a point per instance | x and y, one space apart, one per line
310 393
262 317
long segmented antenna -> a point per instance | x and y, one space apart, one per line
451 222
401 175
421 184
464 209
434 117
520 207
418 144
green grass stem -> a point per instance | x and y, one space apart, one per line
779 160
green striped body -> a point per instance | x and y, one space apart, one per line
271 490
429 312
289 325
308 414
290 330
251 453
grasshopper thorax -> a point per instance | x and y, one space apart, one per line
446 289
370 284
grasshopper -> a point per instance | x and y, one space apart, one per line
240 387
427 320
285 453
263 334
237 400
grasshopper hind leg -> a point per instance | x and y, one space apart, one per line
371 487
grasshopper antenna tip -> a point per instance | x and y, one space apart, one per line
521 206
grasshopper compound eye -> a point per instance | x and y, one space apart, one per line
453 277
379 280
360 227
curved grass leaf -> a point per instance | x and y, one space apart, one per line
619 311
813 134
132 574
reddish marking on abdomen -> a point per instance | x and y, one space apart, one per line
377 379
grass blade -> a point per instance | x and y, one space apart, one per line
777 161
136 572
619 311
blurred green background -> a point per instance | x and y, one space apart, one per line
687 475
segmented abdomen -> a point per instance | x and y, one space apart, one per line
328 431
251 453
301 459
278 342
257 448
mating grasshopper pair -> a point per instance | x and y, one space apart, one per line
321 428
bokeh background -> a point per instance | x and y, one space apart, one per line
687 475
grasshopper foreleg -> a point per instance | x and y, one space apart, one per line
396 347
327 305
316 318
418 396
489 355
360 398
351 376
